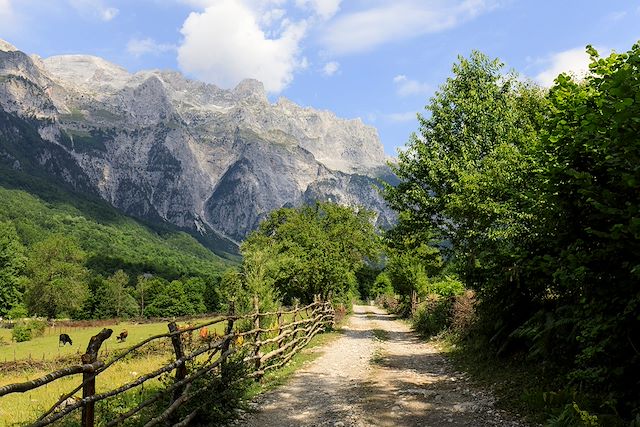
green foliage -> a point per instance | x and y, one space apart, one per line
21 333
433 316
25 331
113 297
18 312
382 285
12 262
57 283
311 250
533 199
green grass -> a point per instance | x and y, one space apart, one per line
46 347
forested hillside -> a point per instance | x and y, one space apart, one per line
63 254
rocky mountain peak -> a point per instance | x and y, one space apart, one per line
158 145
250 89
6 46
86 71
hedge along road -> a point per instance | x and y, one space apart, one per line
379 373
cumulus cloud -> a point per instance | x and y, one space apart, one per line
393 20
408 87
228 41
147 46
330 68
574 61
325 9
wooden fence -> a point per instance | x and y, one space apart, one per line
265 348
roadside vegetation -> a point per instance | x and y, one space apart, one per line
519 231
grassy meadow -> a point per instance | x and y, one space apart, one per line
46 347
22 408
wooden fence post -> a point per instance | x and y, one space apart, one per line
414 302
181 370
227 341
280 340
256 326
89 389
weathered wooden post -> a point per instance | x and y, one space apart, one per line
181 370
88 378
224 348
256 326
280 340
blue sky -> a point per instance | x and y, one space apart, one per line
379 60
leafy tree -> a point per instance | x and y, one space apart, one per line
311 250
113 298
12 263
592 180
169 300
466 178
57 283
194 289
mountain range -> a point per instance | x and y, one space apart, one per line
161 147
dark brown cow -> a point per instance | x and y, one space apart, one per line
123 336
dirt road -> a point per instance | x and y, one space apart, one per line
377 374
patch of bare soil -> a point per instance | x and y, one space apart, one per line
379 373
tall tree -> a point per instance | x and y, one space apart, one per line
57 283
12 263
114 299
312 249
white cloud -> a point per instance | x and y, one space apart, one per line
408 87
140 47
325 9
95 9
574 61
109 13
393 20
330 68
226 43
401 117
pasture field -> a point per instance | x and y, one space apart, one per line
23 408
46 347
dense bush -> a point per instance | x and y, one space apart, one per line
25 331
433 315
533 198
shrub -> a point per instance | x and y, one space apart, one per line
446 286
433 316
21 333
25 331
389 302
37 327
463 312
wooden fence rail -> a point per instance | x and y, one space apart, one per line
265 348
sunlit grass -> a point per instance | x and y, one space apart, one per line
47 346
22 408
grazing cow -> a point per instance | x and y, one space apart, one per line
123 336
64 339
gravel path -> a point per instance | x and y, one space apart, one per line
378 373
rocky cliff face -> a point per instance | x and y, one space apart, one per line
159 146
